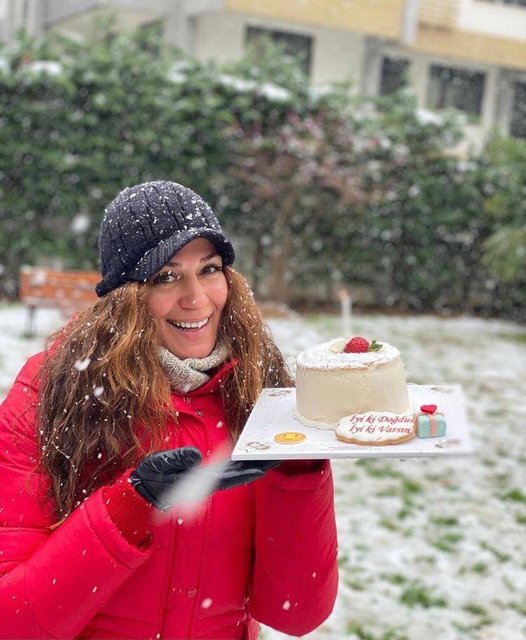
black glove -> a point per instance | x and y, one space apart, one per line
157 475
238 472
159 472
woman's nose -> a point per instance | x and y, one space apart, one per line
194 295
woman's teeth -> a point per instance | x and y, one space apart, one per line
189 325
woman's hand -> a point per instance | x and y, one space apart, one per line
158 473
157 476
238 472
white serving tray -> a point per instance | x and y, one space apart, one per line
273 414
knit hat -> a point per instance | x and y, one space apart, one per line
145 225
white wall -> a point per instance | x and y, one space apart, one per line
17 14
335 54
338 55
219 37
483 16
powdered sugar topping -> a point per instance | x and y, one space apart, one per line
329 356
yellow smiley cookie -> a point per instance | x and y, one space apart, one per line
289 437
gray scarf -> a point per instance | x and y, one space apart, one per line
189 374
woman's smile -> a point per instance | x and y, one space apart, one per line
188 325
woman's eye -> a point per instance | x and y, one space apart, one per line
212 268
166 277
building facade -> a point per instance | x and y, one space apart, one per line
465 54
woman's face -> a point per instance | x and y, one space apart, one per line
186 299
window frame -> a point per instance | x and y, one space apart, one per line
462 73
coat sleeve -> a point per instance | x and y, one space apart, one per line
52 581
295 576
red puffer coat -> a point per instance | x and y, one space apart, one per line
265 551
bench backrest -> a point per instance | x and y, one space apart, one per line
67 290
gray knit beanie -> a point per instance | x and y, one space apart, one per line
145 225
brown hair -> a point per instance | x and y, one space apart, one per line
105 400
261 363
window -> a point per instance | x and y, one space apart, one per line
519 3
295 45
393 75
518 112
456 88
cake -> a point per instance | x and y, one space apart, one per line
343 378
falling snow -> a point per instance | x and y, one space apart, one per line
82 365
80 223
196 485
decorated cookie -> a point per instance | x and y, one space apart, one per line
289 437
376 429
429 423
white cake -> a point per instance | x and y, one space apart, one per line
332 384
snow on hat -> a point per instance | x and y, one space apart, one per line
145 225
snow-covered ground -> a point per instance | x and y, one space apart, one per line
428 548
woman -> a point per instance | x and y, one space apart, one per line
131 397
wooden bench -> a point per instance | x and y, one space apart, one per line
69 291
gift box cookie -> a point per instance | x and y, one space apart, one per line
429 423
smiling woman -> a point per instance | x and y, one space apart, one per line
101 435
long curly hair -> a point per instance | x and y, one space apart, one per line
104 399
